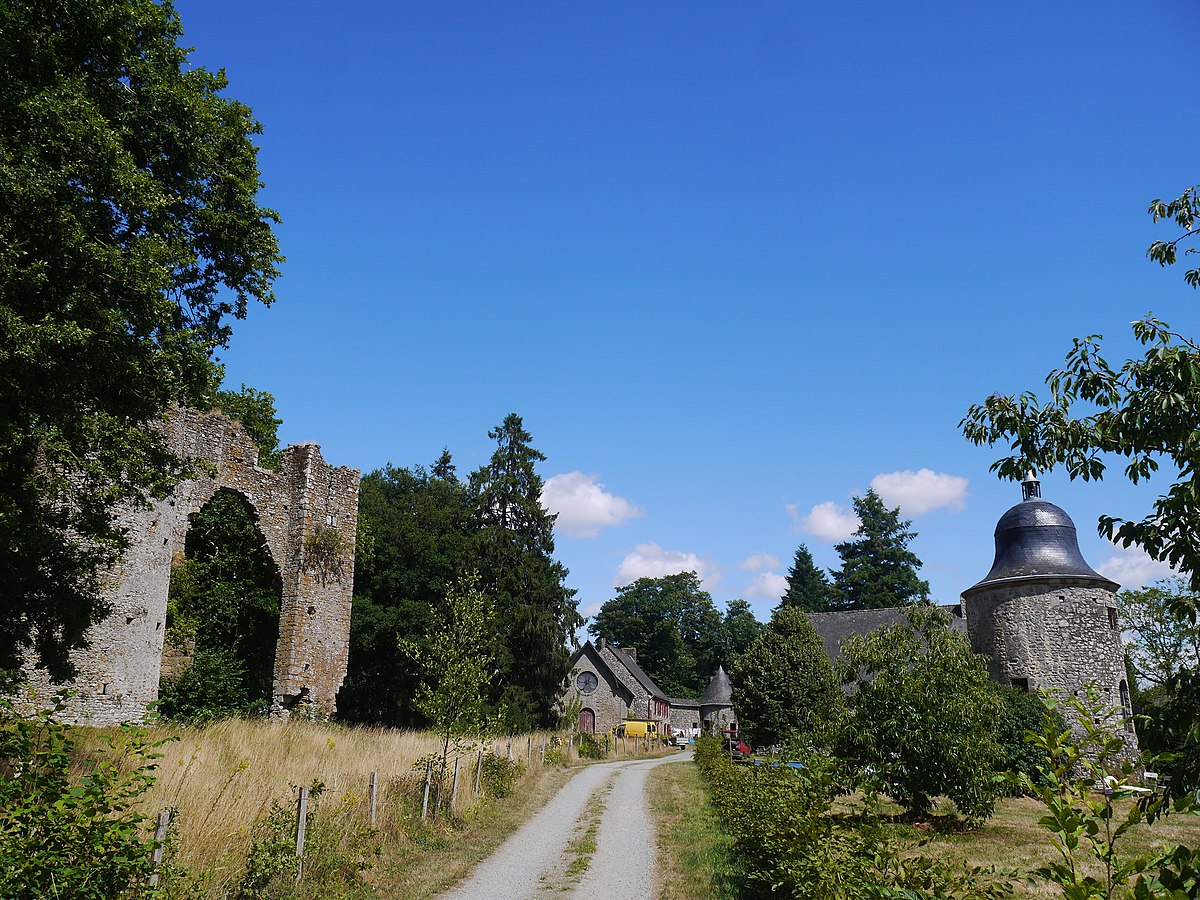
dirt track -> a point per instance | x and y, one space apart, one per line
551 853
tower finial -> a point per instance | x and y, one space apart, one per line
1031 488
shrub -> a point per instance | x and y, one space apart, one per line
500 775
588 747
783 685
790 843
1021 714
556 755
62 837
212 687
922 715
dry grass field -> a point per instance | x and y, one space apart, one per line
222 779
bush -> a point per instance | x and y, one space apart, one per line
784 686
922 716
500 775
588 747
65 837
790 843
1022 714
212 687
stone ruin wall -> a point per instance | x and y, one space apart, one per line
1057 633
118 672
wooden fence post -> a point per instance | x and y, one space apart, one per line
425 801
301 825
454 790
510 751
543 751
373 795
160 839
478 772
529 750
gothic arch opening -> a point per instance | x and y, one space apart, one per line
222 623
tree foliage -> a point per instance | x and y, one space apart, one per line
421 535
224 600
1159 644
256 411
739 630
784 686
878 570
535 610
921 714
129 234
673 624
1144 414
808 586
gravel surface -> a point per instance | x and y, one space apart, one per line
538 859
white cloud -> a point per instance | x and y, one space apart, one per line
767 586
1132 567
919 492
830 521
590 610
652 561
757 561
583 506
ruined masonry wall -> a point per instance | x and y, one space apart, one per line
118 673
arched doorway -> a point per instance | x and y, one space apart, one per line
587 721
222 616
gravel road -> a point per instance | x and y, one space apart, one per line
550 856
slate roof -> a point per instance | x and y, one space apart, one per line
719 691
835 627
684 702
1036 539
637 672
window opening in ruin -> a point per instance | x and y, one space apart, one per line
1126 705
222 616
104 688
1112 618
331 521
1021 684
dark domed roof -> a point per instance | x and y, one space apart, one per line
719 691
1037 539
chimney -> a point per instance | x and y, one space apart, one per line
603 644
631 652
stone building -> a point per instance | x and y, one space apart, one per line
608 686
307 512
1043 617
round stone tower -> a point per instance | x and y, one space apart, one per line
1043 616
716 706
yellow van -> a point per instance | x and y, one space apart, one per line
635 728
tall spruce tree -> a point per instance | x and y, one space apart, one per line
535 610
878 570
808 586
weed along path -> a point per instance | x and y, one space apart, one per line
594 839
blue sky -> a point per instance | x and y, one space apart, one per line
734 263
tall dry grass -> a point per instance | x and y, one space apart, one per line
221 779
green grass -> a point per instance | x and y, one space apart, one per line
694 857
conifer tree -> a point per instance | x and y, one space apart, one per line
808 586
535 610
878 570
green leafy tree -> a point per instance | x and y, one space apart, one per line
129 234
62 835
455 663
224 600
808 586
420 526
1160 644
878 570
739 630
673 624
256 411
922 715
535 610
784 686
1142 413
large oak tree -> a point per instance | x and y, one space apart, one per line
130 233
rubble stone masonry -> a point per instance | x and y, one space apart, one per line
304 505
